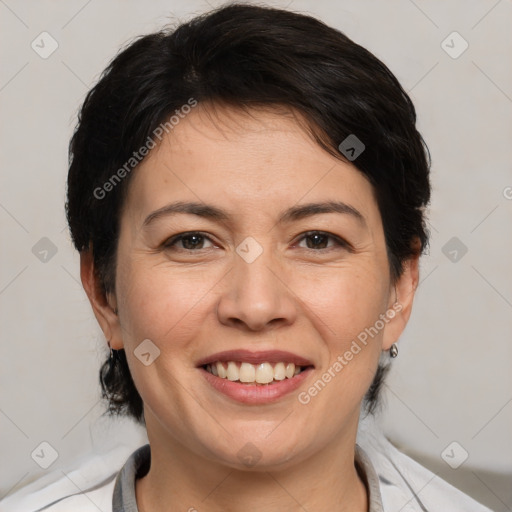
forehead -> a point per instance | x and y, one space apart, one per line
260 158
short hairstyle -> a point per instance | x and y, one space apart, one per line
244 56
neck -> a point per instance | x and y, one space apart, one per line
181 480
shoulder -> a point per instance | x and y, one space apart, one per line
92 500
86 488
62 498
405 484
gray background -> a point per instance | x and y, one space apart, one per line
451 380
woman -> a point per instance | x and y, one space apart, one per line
247 194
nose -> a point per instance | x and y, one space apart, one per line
256 296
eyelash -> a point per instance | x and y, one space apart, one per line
168 244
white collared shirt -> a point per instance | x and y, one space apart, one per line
394 481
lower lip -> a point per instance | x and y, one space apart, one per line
256 393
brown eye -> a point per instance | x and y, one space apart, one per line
317 240
189 241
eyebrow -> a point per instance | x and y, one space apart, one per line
292 214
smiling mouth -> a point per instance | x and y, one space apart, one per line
256 374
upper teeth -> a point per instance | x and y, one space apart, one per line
262 373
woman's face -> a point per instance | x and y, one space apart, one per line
263 276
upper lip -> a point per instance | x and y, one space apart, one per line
248 356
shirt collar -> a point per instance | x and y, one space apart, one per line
138 463
137 466
369 475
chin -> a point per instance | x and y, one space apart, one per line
260 452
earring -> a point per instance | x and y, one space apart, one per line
393 351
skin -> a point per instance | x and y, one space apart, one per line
295 297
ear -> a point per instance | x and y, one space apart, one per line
405 289
103 311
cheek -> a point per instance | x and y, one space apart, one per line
161 303
343 301
168 308
345 306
